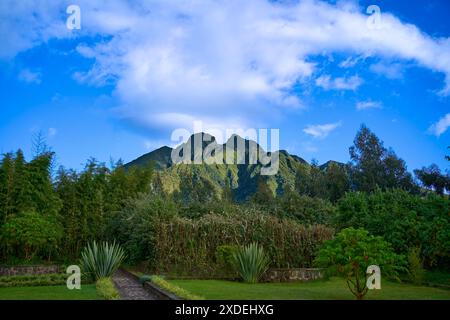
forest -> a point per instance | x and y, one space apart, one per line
49 214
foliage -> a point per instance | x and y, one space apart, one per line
106 289
329 182
144 278
27 187
373 166
413 221
101 261
351 252
433 179
179 292
188 246
133 226
250 262
91 197
415 266
34 280
305 209
29 234
224 256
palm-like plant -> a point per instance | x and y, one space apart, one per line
100 261
250 262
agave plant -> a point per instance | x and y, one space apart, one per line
101 261
250 262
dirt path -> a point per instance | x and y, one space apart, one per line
129 288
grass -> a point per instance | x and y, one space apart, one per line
179 292
333 289
437 277
87 292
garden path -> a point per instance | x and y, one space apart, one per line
129 287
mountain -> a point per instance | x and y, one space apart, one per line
161 159
189 177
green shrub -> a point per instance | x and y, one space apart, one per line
101 261
188 246
413 221
224 257
179 292
144 278
352 251
29 234
133 225
33 280
106 289
250 262
415 268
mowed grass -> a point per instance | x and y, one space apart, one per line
333 289
87 292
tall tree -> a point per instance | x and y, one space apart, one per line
432 178
337 181
6 186
373 166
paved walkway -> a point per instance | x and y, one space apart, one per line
129 287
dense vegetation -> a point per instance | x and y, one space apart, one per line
51 215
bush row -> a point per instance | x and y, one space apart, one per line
188 246
35 280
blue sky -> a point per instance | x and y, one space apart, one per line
138 70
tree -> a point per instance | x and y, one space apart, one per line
447 157
30 233
303 180
329 183
351 252
6 186
307 210
373 166
310 181
403 219
264 194
433 178
337 181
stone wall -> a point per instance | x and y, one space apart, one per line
287 275
28 270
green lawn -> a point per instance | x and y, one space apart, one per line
333 289
87 292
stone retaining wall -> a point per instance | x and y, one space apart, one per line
28 270
287 275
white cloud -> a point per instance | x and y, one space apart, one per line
327 83
364 105
389 70
321 131
210 60
29 76
441 126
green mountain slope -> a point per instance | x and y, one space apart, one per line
214 181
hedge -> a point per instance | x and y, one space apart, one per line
186 246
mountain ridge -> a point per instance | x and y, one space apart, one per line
214 180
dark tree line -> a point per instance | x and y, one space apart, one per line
42 217
372 167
